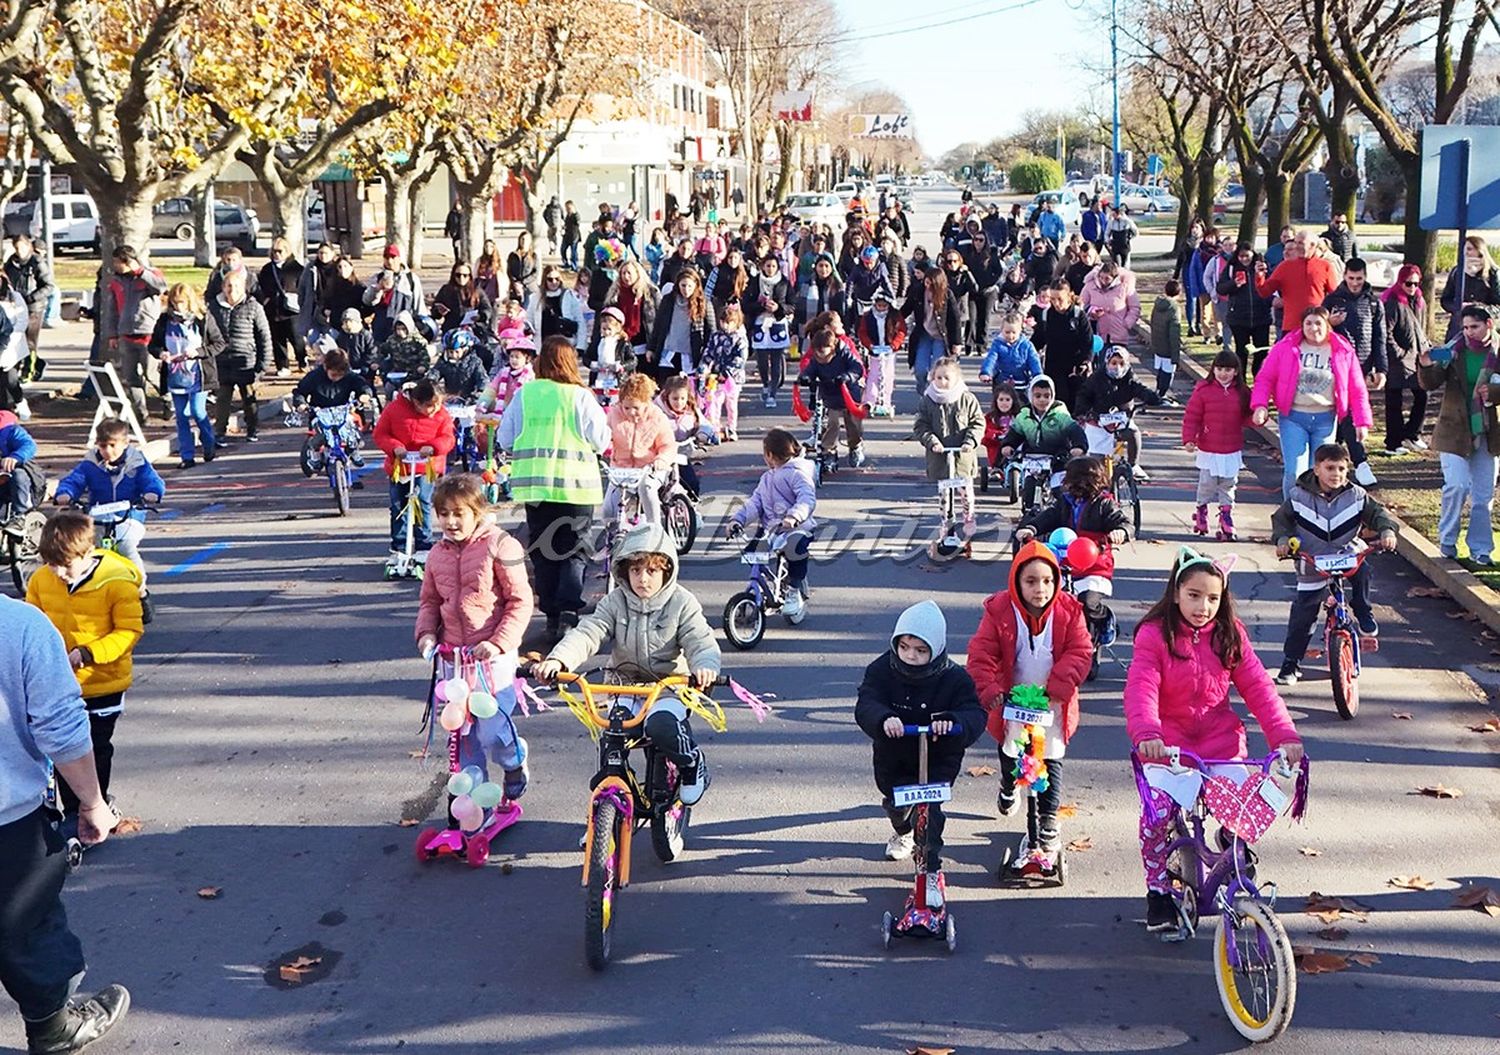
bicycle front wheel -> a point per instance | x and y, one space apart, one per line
1128 495
598 913
1258 982
339 474
1344 672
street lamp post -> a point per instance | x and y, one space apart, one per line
1114 59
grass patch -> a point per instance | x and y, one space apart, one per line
82 274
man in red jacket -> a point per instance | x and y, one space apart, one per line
414 422
1302 279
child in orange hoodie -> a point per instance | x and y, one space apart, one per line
641 438
1034 633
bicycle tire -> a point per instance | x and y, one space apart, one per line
340 480
1341 668
669 831
744 603
1272 1013
1128 496
1012 487
681 518
13 557
598 913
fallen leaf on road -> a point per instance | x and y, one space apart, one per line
929 1051
1333 934
416 753
1308 851
1425 591
408 822
1068 809
1364 959
1080 845
1315 653
1489 725
1332 909
292 972
1480 897
127 826
1310 961
1410 883
981 771
1489 635
208 893
1469 616
1405 716
1437 791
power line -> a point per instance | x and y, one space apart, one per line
857 36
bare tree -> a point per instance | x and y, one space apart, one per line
1161 106
16 157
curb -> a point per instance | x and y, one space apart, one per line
1449 576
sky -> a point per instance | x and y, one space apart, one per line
973 78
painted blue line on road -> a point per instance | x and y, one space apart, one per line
214 507
169 514
357 473
206 553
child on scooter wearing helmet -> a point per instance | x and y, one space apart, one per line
914 682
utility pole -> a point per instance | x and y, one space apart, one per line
1114 59
752 190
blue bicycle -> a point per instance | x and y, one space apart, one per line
326 451
766 592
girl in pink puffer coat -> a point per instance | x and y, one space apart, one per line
475 595
1189 649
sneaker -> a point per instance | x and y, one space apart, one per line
1411 445
1367 625
1364 475
1419 444
857 456
899 846
23 410
252 438
186 463
1450 552
694 780
936 890
1140 473
1289 674
730 435
1482 559
771 402
516 779
1110 632
209 456
794 607
357 458
1161 912
283 372
78 1025
767 400
1007 804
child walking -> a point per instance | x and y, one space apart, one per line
191 372
655 628
949 415
721 373
1325 512
1189 649
93 598
881 334
1032 633
784 501
1166 338
1213 426
914 682
475 595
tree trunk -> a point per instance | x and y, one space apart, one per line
124 219
205 229
400 190
1420 245
416 249
289 215
1187 191
536 204
1254 183
786 139
1206 163
1342 174
1278 187
477 225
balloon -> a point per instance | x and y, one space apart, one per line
1082 553
487 795
482 705
440 692
458 690
460 784
469 825
474 773
1098 344
464 806
1061 538
453 717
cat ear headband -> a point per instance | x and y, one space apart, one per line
1188 557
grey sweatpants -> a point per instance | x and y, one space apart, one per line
1218 490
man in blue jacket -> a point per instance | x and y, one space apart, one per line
1051 225
41 717
1091 226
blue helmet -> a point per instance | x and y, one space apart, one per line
459 340
869 252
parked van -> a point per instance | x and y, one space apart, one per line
75 222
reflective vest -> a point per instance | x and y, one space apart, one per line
551 461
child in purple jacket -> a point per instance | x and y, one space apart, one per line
783 504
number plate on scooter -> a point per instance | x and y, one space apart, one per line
916 794
1116 419
956 483
1026 716
109 509
1336 562
755 557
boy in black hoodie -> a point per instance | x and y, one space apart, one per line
915 683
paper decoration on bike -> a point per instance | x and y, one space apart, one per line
757 704
1031 745
798 407
1247 809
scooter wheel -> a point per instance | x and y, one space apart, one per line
887 925
424 840
1062 868
950 936
476 851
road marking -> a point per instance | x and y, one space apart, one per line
214 507
206 553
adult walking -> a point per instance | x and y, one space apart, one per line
572 235
637 299
41 959
1120 234
558 312
277 290
1065 337
1303 280
1314 377
1111 303
31 276
1481 283
684 323
314 314
1406 343
555 431
521 267
1467 434
460 302
12 348
391 291
238 337
937 324
1247 313
768 309
1357 314
132 304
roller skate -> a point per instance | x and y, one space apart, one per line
1200 520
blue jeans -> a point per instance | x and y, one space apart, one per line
1301 434
422 533
494 738
41 960
190 407
1472 478
929 351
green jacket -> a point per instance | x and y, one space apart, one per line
1166 328
956 424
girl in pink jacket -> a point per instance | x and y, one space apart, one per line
1315 379
1189 649
475 595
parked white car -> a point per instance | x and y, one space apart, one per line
820 207
1064 203
75 222
1139 198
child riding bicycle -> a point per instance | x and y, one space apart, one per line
784 501
22 481
1325 512
914 682
1189 649
1112 391
1044 426
641 437
655 628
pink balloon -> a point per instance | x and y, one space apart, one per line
453 717
440 692
1083 554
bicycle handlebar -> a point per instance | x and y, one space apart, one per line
1175 756
650 693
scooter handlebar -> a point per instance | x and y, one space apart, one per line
926 730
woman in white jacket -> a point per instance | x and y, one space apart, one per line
557 312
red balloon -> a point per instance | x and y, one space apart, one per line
1083 554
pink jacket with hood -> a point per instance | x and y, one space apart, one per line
1120 304
476 590
1185 701
1277 380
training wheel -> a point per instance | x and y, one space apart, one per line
887 922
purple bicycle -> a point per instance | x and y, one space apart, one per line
1253 960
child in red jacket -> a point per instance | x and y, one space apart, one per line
414 422
1214 426
1032 634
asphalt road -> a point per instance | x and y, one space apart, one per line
267 750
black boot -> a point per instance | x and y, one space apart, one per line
78 1025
